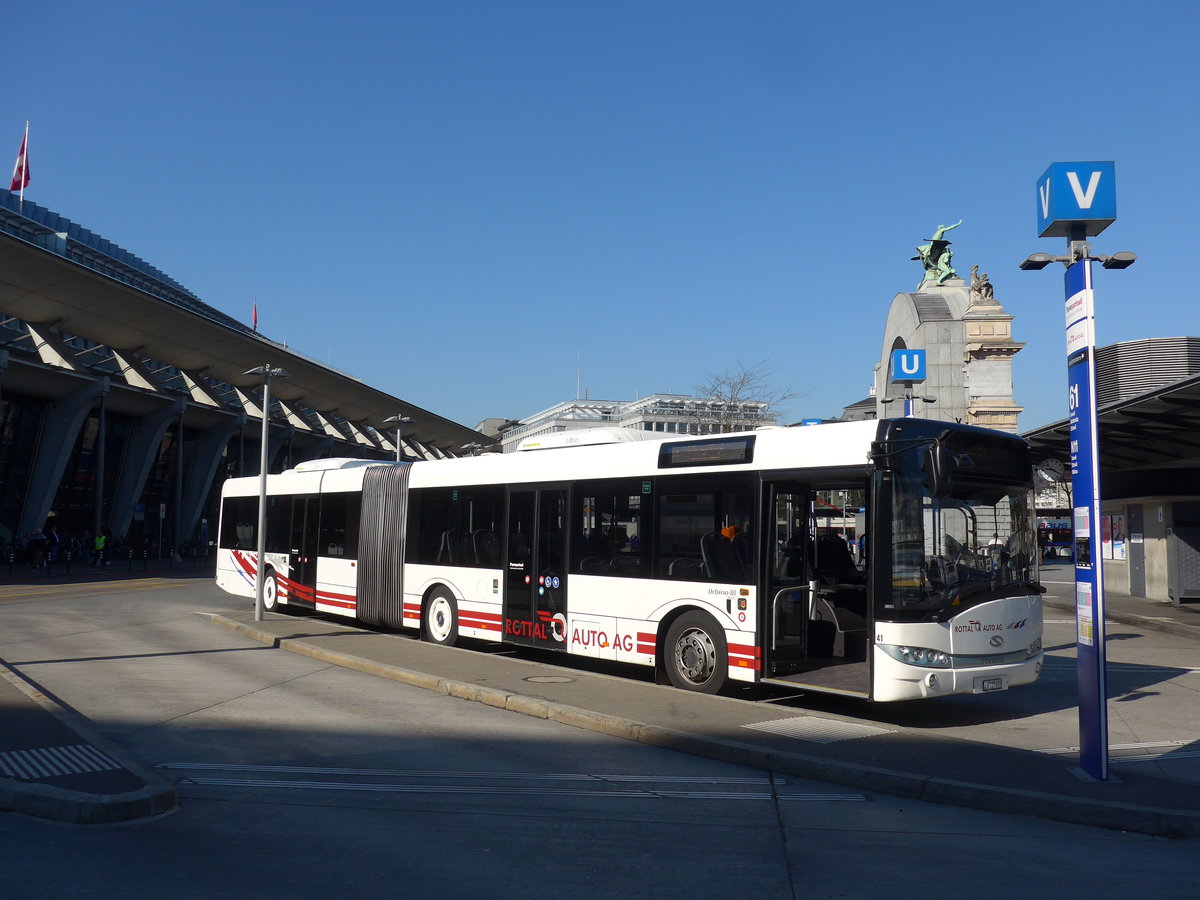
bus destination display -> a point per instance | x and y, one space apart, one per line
714 452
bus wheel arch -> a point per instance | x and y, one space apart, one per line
439 616
694 654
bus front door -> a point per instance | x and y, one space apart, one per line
816 620
535 579
788 579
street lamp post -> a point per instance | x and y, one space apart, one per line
908 368
267 372
909 398
399 422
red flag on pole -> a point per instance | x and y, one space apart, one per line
21 170
256 315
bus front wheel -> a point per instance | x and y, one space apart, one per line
439 622
695 655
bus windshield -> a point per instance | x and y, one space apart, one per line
950 553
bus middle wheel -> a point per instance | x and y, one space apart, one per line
695 655
439 620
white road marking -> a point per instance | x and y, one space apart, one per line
408 773
1123 753
384 788
50 762
817 730
419 783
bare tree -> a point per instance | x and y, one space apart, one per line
738 398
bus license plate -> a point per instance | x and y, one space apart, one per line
991 684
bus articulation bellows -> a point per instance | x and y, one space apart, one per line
712 559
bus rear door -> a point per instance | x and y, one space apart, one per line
303 549
535 578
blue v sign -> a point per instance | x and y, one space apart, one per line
1076 194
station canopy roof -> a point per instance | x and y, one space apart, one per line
1156 429
55 273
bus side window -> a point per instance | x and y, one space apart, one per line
332 540
279 523
239 521
606 528
699 520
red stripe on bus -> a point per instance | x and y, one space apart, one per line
745 650
345 601
245 562
486 621
301 591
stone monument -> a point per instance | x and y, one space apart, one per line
968 343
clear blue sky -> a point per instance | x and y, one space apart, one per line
455 201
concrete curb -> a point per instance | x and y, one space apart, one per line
1075 810
77 807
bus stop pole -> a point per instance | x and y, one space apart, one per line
1091 669
1078 200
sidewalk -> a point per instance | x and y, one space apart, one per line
53 765
1157 615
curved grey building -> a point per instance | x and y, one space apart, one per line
968 340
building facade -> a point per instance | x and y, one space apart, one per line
664 414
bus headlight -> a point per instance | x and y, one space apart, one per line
917 656
1034 649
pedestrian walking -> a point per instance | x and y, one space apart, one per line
37 549
53 545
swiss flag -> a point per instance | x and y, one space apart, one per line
20 177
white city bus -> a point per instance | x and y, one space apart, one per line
706 558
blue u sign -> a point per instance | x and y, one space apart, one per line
908 365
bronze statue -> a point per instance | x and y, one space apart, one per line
937 255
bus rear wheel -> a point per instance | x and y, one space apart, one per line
695 655
270 591
439 619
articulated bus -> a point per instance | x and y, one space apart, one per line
705 558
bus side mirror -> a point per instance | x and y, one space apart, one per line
938 465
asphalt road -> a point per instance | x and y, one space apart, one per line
304 779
